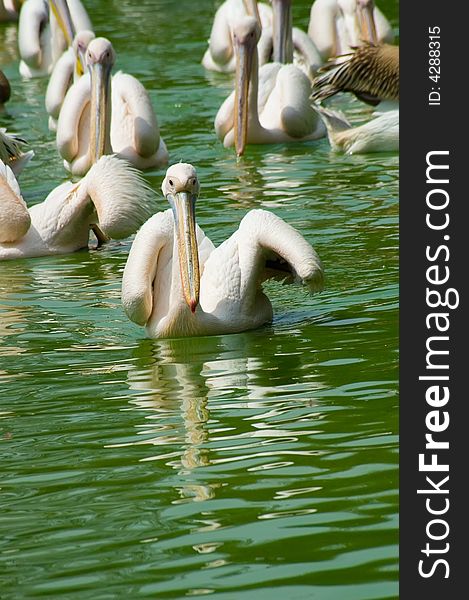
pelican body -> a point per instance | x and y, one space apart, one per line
177 284
337 26
112 195
45 30
101 115
268 105
380 134
220 54
370 72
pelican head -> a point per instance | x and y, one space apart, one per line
282 31
246 34
80 44
100 58
360 20
181 189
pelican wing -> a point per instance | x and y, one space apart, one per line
370 72
142 263
15 219
269 248
121 197
288 107
134 115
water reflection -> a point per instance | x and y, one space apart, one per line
186 386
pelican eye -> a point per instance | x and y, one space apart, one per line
171 182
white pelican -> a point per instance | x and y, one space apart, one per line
381 134
5 89
220 55
177 284
370 72
67 70
91 123
112 195
268 105
45 30
336 26
12 151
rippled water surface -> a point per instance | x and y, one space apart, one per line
258 465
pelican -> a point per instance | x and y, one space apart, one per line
177 284
220 55
269 105
5 89
12 151
9 10
101 115
381 134
67 70
45 30
112 195
370 72
286 44
336 26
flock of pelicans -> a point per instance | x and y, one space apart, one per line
175 282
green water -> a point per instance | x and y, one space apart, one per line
258 465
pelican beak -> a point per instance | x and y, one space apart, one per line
80 63
100 110
367 23
61 12
183 205
282 34
244 61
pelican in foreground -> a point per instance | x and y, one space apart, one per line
101 115
5 89
268 105
67 70
177 284
45 30
336 26
380 134
220 54
370 72
112 195
12 151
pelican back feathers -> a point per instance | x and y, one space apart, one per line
370 72
122 198
11 151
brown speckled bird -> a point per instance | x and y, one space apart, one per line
5 89
370 72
